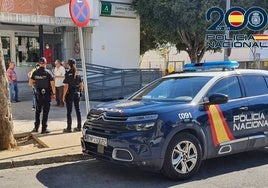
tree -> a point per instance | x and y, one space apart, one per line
179 22
182 22
7 140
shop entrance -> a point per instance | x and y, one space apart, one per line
23 45
6 49
27 50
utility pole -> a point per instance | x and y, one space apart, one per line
227 32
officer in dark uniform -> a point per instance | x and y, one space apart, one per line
43 80
73 86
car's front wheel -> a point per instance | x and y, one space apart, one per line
183 156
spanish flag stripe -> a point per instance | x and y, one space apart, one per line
236 18
236 23
218 125
227 129
236 13
260 37
219 128
213 132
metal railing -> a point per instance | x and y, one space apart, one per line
107 83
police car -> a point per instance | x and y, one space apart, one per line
177 121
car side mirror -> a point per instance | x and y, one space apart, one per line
217 98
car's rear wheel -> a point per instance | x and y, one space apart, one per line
183 156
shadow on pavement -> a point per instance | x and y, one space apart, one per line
96 174
232 163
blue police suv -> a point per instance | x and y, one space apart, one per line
208 110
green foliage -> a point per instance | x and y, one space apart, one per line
180 22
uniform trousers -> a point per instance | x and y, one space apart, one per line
42 104
70 100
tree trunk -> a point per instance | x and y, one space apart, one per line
7 140
195 45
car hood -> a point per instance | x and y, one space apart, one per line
130 107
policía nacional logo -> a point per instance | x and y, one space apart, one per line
236 19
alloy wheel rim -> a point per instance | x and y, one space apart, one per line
184 157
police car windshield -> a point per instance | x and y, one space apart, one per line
182 89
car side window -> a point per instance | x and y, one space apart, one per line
266 79
255 85
229 86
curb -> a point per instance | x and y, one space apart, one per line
34 137
40 142
46 160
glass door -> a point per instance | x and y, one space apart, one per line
27 50
6 49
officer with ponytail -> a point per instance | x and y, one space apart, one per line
73 87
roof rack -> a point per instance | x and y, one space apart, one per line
214 65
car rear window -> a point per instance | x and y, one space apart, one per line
255 85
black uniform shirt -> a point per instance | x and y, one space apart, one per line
42 78
72 81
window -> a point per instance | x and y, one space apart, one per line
255 85
27 49
228 86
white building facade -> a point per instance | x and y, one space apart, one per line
111 38
256 58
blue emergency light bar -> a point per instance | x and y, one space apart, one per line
224 65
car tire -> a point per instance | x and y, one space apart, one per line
183 157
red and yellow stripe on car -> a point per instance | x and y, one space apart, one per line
219 128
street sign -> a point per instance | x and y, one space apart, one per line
80 12
106 8
117 10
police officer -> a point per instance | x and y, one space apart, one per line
43 80
73 86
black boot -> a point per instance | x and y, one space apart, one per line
44 130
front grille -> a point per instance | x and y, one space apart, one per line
105 117
92 149
106 124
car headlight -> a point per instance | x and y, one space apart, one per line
84 130
141 123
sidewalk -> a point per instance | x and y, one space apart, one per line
43 148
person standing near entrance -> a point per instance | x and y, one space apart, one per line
45 90
48 55
13 82
73 86
59 75
33 87
65 65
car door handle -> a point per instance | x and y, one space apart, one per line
243 108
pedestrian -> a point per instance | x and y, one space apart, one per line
45 90
59 75
13 82
33 86
65 65
73 87
48 55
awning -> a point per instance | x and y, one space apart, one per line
27 19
